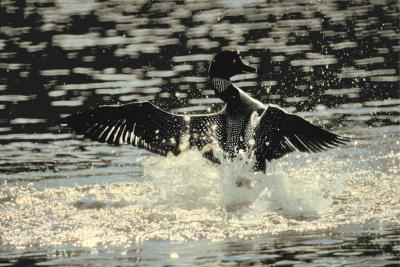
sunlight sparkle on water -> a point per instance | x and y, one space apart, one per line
183 201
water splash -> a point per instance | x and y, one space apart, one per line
188 198
190 181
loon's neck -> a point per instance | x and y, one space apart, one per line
233 96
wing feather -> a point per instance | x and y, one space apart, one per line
279 133
143 125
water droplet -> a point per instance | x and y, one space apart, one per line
174 255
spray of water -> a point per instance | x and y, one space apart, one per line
190 181
189 198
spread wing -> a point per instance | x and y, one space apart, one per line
279 133
143 125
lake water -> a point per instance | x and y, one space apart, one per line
68 201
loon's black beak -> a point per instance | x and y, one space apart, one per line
246 68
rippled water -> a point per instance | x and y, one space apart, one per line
68 201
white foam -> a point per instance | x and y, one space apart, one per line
292 186
188 198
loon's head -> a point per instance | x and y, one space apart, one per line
227 64
223 67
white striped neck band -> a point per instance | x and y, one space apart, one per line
220 85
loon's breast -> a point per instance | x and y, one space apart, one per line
238 130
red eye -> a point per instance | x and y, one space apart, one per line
233 61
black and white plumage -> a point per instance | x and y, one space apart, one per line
243 124
220 85
144 125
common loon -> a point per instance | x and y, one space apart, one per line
243 124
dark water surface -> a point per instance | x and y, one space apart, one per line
67 201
